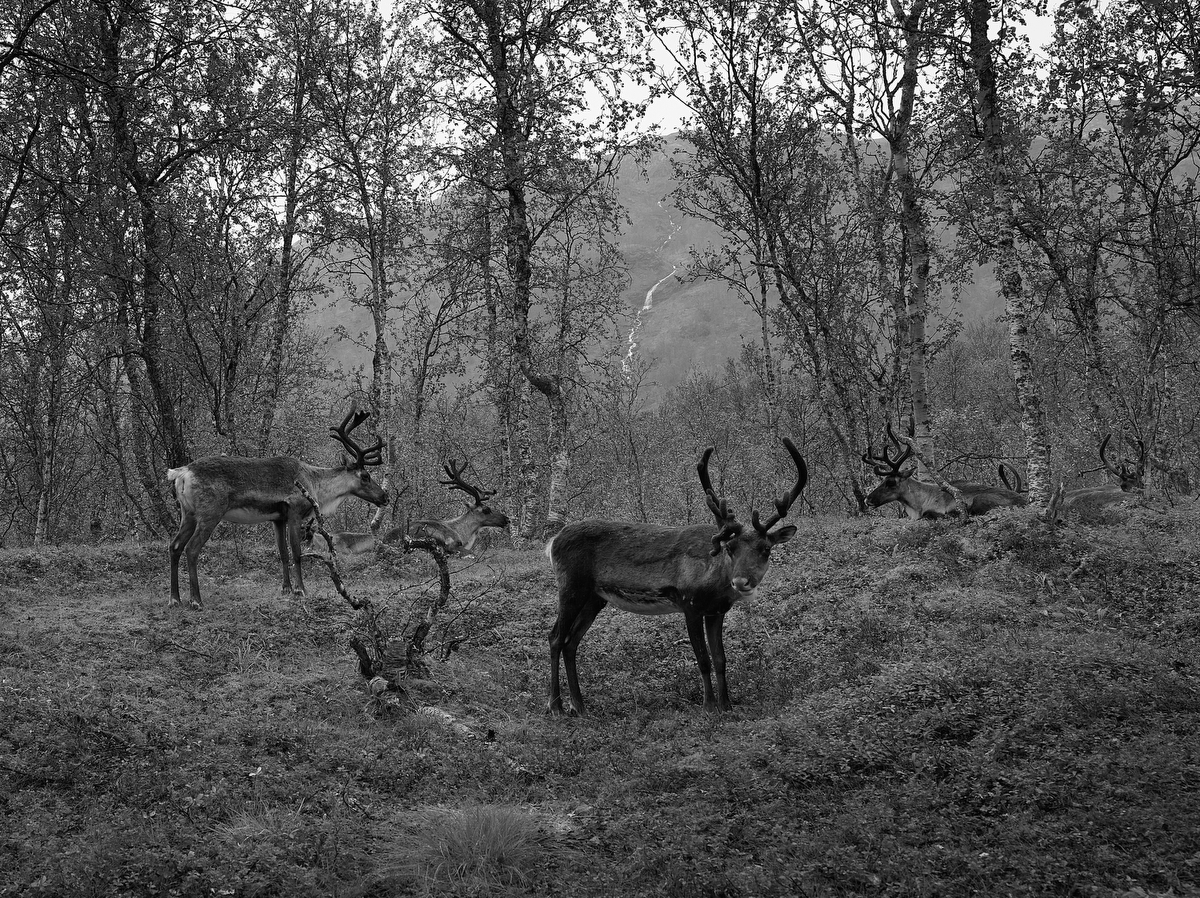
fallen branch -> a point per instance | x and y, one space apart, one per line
416 643
457 726
378 663
335 573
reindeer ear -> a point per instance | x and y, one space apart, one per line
782 535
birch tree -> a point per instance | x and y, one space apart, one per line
517 89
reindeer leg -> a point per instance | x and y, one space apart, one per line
574 620
187 526
714 625
293 531
281 542
695 626
195 543
554 699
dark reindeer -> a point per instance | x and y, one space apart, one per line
458 535
652 569
928 500
455 535
255 490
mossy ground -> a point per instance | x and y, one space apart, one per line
986 708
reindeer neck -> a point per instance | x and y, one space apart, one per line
328 485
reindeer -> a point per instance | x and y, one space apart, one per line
255 490
927 500
653 569
1129 476
351 542
456 535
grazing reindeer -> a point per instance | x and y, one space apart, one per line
1130 476
458 535
652 569
254 490
928 500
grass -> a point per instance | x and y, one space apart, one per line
482 850
933 709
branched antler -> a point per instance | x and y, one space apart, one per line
456 482
1130 477
1017 485
884 465
362 457
784 502
726 521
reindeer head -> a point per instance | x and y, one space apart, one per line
478 512
1130 474
359 459
749 550
894 479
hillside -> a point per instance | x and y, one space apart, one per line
683 325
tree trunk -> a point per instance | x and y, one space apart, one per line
998 227
284 279
913 226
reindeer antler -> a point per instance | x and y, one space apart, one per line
1129 478
362 457
893 465
1017 485
784 502
456 482
718 506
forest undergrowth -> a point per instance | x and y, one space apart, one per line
940 708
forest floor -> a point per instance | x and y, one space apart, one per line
984 708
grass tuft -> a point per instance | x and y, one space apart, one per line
481 850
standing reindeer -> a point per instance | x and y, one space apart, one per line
928 500
255 490
455 535
652 569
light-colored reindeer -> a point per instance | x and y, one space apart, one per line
459 534
455 535
695 571
256 490
928 500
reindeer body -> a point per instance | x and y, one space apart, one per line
1130 476
697 571
257 490
247 490
351 542
648 568
460 534
1091 497
928 500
